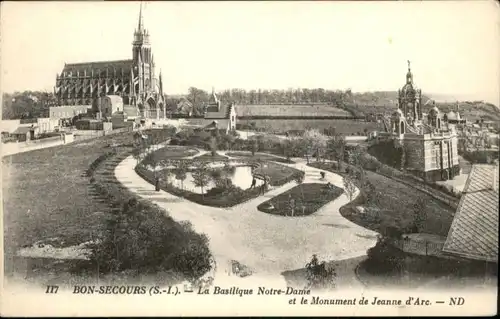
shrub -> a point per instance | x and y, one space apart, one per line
384 257
319 275
141 238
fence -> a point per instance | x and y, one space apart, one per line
419 247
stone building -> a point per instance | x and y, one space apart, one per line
429 143
219 115
134 79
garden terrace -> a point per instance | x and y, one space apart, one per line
394 206
308 199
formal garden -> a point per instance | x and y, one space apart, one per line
213 179
302 200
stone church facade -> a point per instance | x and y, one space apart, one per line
134 80
430 144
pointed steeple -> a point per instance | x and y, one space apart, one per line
139 25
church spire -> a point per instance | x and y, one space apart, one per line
139 25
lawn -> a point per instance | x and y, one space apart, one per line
209 157
394 206
347 127
46 194
308 199
171 152
259 157
290 110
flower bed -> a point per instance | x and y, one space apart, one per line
308 198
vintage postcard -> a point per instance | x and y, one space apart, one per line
258 158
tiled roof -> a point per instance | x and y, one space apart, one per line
474 231
223 113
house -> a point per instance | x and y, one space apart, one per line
111 104
474 231
219 116
67 111
47 124
25 133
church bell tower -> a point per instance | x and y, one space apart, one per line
142 59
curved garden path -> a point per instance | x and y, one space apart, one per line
268 244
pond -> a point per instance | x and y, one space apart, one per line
241 176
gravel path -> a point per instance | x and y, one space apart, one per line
267 244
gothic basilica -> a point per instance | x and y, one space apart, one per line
134 80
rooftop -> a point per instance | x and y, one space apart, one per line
474 231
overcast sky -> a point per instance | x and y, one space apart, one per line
454 47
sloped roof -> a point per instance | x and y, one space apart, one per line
126 65
223 113
23 129
115 99
474 231
219 124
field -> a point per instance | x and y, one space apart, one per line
290 110
308 199
348 127
395 207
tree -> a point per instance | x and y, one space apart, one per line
419 214
181 172
319 275
349 186
315 141
255 147
299 180
201 176
403 158
336 149
212 144
167 173
136 153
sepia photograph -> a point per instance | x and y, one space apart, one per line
312 158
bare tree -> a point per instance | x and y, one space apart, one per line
349 186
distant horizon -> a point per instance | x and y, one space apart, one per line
454 54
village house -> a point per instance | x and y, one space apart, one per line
219 116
